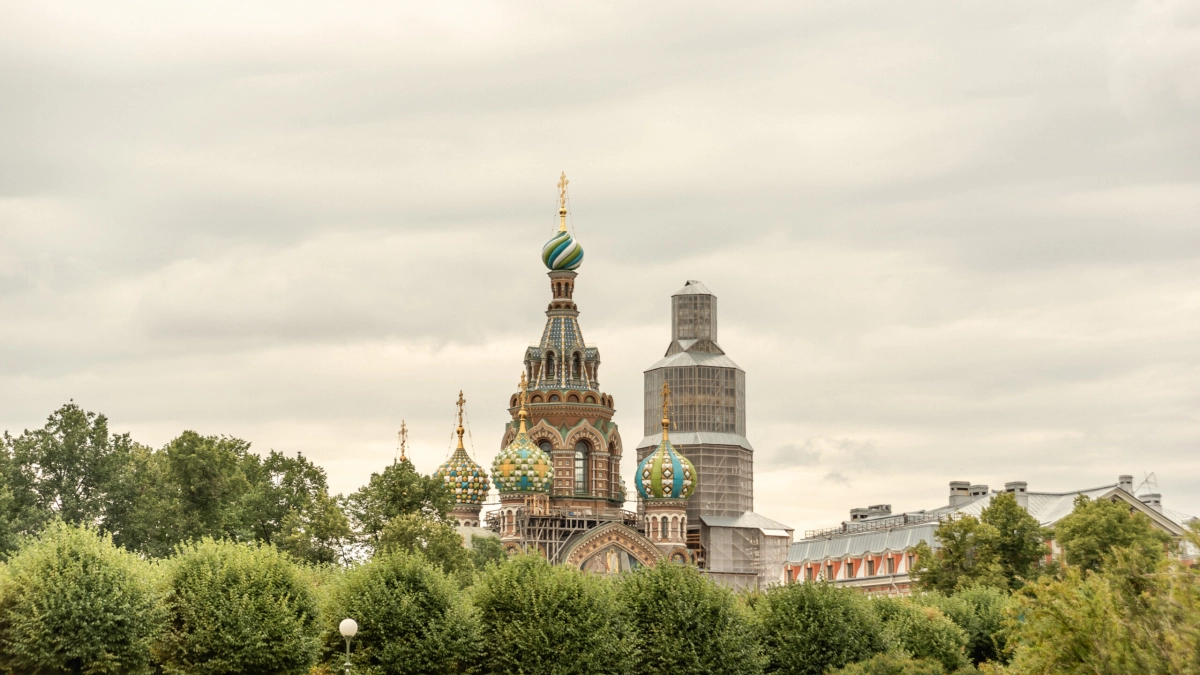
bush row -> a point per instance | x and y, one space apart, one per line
72 602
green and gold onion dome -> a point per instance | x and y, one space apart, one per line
522 467
665 473
466 479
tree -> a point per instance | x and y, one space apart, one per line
538 619
72 602
967 556
487 551
437 541
398 491
65 469
147 515
921 632
237 608
1097 527
1020 543
412 618
1134 615
681 622
807 629
317 534
206 473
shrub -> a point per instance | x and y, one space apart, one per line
411 618
892 664
681 622
806 629
921 632
535 619
237 608
979 611
71 602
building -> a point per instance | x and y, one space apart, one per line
872 550
708 411
559 470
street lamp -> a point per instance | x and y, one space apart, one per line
348 627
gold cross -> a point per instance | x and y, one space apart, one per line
666 396
562 191
403 436
524 385
461 402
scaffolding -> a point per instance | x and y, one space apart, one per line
537 526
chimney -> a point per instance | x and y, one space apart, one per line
1125 483
858 514
960 492
979 491
1154 501
1020 490
879 510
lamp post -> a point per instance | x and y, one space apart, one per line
348 627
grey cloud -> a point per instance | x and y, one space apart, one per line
954 237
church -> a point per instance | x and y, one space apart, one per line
558 472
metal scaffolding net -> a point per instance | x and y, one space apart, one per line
736 553
725 479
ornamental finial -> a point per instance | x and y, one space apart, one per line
402 438
666 397
562 202
461 402
523 415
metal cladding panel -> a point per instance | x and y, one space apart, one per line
861 543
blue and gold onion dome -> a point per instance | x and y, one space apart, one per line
666 474
562 252
522 466
466 479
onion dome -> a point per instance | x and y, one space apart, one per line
522 466
562 252
466 479
665 473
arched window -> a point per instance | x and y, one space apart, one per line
546 447
674 526
581 457
551 373
577 367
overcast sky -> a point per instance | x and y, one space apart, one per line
951 240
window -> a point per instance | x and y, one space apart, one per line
808 573
546 447
551 373
891 565
577 367
829 571
581 453
871 567
910 562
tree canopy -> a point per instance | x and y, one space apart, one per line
1097 527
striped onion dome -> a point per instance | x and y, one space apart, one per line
522 466
665 473
466 479
562 252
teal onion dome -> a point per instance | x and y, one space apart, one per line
465 479
522 466
666 474
562 252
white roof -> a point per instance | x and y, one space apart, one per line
693 287
695 359
697 438
749 520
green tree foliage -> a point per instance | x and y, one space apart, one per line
436 540
398 491
806 629
1097 527
318 533
411 617
1003 548
71 602
538 619
66 470
921 632
237 608
1137 615
980 612
207 475
487 551
1020 543
683 623
892 664
967 556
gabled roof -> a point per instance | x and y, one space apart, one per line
748 519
